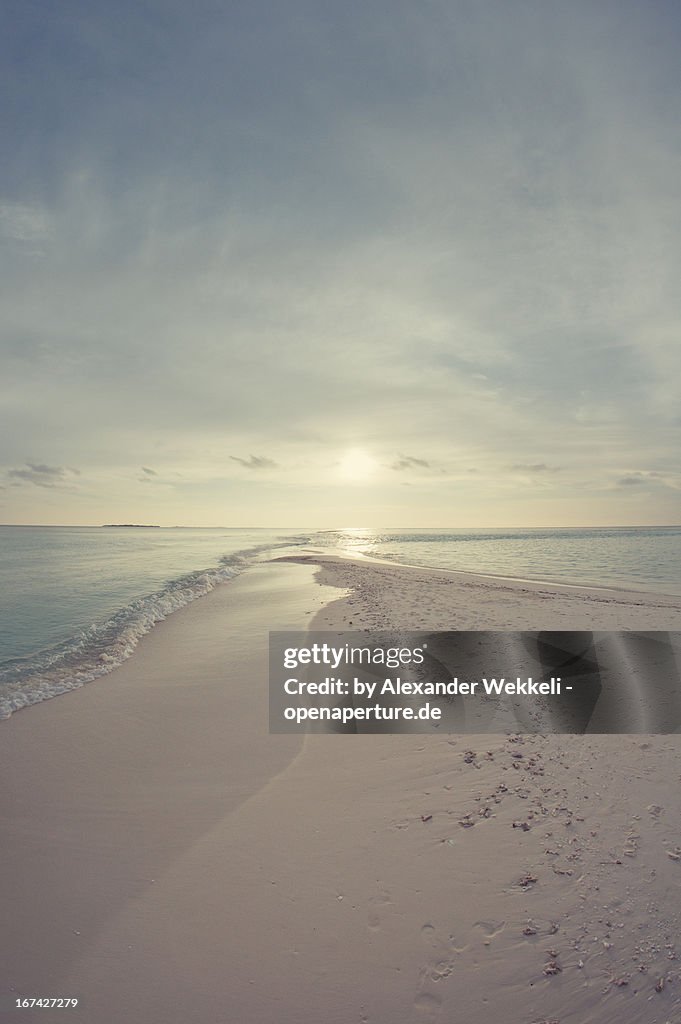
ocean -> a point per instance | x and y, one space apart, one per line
74 601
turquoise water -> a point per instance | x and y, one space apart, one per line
74 601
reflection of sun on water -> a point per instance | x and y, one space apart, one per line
357 539
357 465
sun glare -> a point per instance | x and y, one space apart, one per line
356 465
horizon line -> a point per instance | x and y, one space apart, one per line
334 529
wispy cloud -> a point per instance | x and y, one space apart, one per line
42 475
255 462
651 477
409 462
24 222
631 481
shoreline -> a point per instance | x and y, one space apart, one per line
54 681
168 860
553 583
382 594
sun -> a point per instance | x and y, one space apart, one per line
357 465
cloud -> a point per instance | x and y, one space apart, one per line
23 222
535 467
650 476
409 462
149 472
631 481
255 462
42 475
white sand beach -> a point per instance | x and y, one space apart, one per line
165 859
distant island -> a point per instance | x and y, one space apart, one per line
130 526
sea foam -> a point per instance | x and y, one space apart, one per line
96 651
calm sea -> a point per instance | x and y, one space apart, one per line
74 601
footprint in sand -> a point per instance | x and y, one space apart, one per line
376 910
490 929
429 936
442 956
428 1006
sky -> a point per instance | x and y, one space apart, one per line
304 263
